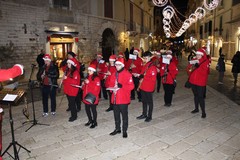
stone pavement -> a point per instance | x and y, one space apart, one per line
173 134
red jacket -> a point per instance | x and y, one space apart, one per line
149 71
102 68
168 72
122 95
13 72
137 63
75 80
92 87
200 75
112 70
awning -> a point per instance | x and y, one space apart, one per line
62 33
234 20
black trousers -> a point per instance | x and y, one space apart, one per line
158 82
78 99
117 110
168 93
199 93
110 95
72 105
136 84
147 103
103 90
91 110
46 92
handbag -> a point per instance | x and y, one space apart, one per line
187 84
90 98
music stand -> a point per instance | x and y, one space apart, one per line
30 86
9 98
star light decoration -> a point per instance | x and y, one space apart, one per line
169 13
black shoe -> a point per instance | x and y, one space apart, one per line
148 119
94 124
71 119
78 109
204 115
141 117
167 104
115 132
68 109
125 135
195 111
88 123
109 109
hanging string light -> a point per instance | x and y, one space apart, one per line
212 5
160 3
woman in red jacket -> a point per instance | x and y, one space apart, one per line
71 78
148 78
91 85
198 74
168 73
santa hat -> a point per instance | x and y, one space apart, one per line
112 58
120 54
92 67
72 61
157 53
137 51
169 56
120 61
200 51
99 55
19 66
168 52
71 53
47 57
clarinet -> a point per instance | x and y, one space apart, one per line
60 84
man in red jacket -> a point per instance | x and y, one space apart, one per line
147 84
134 65
198 72
101 71
122 81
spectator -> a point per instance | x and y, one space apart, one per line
236 66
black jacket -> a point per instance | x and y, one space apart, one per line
52 74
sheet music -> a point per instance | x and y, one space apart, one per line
132 56
10 97
166 60
112 89
194 61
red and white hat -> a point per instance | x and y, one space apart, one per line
92 67
99 55
168 52
162 51
136 51
201 52
169 56
120 61
47 57
112 58
72 61
120 54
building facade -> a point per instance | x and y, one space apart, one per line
220 28
85 27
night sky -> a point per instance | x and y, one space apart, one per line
181 5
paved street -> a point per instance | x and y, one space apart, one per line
173 134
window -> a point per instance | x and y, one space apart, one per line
220 25
201 32
205 27
210 28
108 8
64 4
235 2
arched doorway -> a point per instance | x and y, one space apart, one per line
108 43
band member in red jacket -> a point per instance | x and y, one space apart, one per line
71 78
198 74
101 71
122 80
168 73
63 65
91 85
111 70
134 66
8 74
148 78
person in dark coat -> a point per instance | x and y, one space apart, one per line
221 68
236 66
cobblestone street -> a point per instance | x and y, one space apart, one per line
173 134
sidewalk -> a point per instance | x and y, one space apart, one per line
173 134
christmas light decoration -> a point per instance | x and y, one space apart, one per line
212 5
160 3
200 12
